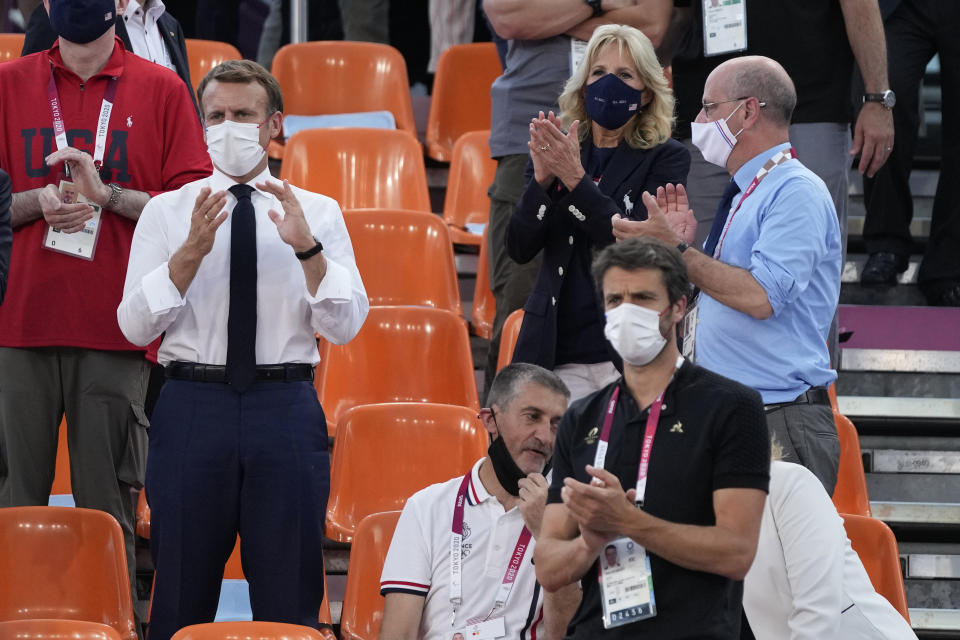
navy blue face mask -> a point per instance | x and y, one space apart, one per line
81 21
611 102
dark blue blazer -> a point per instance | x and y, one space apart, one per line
548 219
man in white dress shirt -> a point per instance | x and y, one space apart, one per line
239 272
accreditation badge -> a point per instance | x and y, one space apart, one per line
688 331
724 26
626 584
578 49
484 630
83 243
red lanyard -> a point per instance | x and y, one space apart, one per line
778 159
103 122
456 563
653 418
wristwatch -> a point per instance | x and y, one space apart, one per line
115 192
886 99
683 246
309 253
595 5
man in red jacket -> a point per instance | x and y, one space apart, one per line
90 132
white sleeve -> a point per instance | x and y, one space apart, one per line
151 302
407 568
813 540
339 305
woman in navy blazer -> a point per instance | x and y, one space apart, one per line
618 109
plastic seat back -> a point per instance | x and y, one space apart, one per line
47 553
420 443
359 168
461 95
402 354
484 305
850 493
11 44
876 545
319 78
508 338
247 631
471 174
56 630
362 602
404 258
204 55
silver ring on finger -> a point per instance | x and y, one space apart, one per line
206 217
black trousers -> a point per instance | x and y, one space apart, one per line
916 31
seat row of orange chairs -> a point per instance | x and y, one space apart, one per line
367 77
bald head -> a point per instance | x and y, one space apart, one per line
762 78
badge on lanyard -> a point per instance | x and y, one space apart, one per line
688 331
83 243
80 244
491 626
624 577
724 26
578 49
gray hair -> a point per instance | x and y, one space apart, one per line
644 253
506 385
768 82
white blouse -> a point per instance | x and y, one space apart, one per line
806 580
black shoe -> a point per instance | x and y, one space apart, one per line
947 297
882 268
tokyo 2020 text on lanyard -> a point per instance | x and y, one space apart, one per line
456 562
103 121
778 158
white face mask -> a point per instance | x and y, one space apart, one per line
634 332
714 139
235 147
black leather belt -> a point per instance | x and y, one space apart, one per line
292 372
813 395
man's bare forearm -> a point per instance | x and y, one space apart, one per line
864 27
652 17
25 208
526 20
729 285
183 266
558 609
131 203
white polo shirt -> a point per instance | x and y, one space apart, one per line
418 561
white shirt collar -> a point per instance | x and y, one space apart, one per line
153 12
219 181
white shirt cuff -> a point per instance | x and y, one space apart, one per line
160 292
335 286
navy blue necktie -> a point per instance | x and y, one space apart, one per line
720 219
242 321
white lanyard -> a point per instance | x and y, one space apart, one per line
103 122
653 418
456 563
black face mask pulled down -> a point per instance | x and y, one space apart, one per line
508 473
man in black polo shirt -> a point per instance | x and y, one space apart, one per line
692 443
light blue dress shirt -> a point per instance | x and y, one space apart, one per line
787 236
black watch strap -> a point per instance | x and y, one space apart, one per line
595 5
683 246
312 251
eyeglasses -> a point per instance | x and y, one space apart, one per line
710 105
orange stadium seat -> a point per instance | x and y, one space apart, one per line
508 338
47 553
876 545
850 493
322 78
56 630
11 44
419 443
471 174
460 101
404 258
362 602
247 631
484 304
359 168
402 354
204 55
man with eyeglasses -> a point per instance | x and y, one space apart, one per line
769 272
